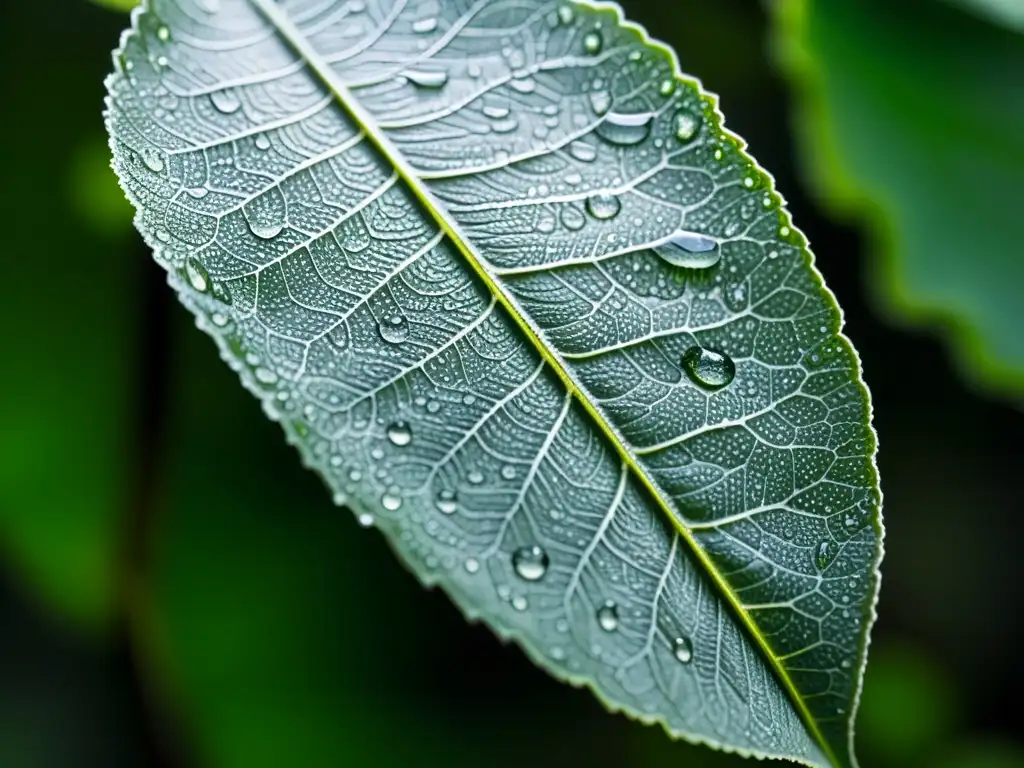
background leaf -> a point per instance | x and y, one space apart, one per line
911 116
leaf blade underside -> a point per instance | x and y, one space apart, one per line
337 191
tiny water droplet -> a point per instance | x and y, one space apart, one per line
365 520
822 558
686 125
423 26
708 368
400 433
475 477
689 250
197 193
667 87
426 79
592 42
197 275
447 502
391 501
495 111
530 563
603 206
226 102
608 616
163 33
394 329
508 472
472 565
153 160
519 603
523 84
682 649
600 102
572 218
566 14
582 151
262 142
163 236
625 129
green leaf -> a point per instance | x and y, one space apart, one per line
912 117
514 293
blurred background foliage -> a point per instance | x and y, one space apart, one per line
175 590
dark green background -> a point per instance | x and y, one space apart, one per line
176 591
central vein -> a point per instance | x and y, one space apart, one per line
295 38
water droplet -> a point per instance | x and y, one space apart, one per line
708 368
582 151
566 14
592 42
667 87
447 502
472 565
265 375
608 616
625 129
394 329
495 112
682 649
519 603
365 520
426 79
475 477
262 142
603 206
391 501
508 472
219 319
572 218
422 26
225 101
400 433
686 125
197 275
600 102
263 229
822 559
163 236
573 179
153 160
531 563
163 33
198 193
689 249
524 84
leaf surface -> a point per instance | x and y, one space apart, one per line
454 249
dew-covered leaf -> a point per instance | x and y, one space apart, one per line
911 118
514 293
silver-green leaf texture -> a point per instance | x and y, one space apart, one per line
514 292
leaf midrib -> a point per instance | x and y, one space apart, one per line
293 37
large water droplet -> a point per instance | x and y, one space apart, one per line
682 649
225 101
708 368
400 433
582 151
423 26
689 249
625 129
197 275
608 616
426 79
686 124
592 42
394 329
447 502
603 206
531 563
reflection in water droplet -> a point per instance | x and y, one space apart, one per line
603 206
600 102
689 249
391 501
608 616
400 433
686 125
197 275
225 101
708 368
426 79
447 502
592 42
394 329
582 151
572 218
425 25
625 129
682 649
530 563
153 160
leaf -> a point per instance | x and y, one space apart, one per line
912 119
442 244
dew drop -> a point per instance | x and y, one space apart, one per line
508 472
394 329
226 102
566 14
600 102
153 160
519 603
472 565
572 218
608 616
603 206
625 129
822 558
197 193
592 42
163 236
391 501
265 230
523 85
365 520
689 250
400 433
197 275
163 33
582 151
495 112
262 142
426 79
708 368
530 563
686 125
682 649
447 502
475 477
422 26
667 87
